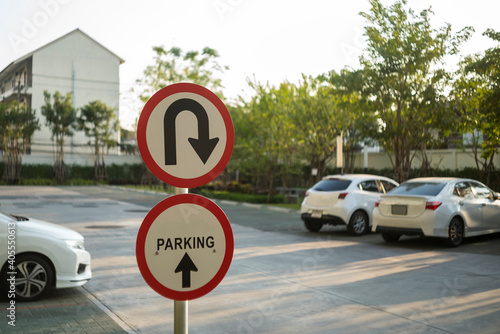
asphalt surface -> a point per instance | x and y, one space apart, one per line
283 279
271 219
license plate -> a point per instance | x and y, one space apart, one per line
401 210
316 214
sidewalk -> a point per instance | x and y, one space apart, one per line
62 311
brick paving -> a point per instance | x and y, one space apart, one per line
61 311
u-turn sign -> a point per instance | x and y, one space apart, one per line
185 135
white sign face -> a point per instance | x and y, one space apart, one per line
180 230
185 125
184 246
185 135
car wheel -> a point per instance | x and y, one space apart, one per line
34 277
455 232
390 236
313 226
358 224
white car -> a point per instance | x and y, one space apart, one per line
36 256
346 199
450 208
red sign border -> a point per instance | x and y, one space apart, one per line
159 96
141 241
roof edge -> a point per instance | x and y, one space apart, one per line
20 59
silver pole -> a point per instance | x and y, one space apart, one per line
181 306
180 317
181 191
340 158
366 157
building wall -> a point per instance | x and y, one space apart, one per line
439 159
73 64
81 159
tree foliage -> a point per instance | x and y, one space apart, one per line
399 98
60 117
174 65
100 124
17 125
476 100
404 80
266 145
280 129
358 120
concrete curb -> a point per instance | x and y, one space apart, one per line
109 313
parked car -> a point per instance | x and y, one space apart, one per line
36 256
450 208
346 199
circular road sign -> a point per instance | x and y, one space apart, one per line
185 135
184 247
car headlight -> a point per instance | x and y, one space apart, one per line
76 244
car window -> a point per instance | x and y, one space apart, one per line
418 188
370 185
463 189
388 186
331 185
482 191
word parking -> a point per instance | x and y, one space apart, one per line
184 243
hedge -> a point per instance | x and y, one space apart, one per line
41 174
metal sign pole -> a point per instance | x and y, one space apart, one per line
181 306
180 316
340 158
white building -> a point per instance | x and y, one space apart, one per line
73 63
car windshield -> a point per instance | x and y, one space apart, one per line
331 185
418 188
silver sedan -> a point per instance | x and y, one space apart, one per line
450 208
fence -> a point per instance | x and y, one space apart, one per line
438 159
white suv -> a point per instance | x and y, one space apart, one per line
346 199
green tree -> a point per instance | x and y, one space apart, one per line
174 65
267 146
403 78
316 120
476 100
100 124
60 117
17 126
357 120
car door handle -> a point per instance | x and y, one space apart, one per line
461 203
483 204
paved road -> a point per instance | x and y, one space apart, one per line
283 279
269 219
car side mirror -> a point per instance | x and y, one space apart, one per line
496 196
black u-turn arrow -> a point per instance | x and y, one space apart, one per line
203 146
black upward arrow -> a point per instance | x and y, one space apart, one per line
203 146
186 266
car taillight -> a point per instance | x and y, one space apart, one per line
342 195
432 205
377 203
307 193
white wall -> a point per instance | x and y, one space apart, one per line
81 159
439 159
96 77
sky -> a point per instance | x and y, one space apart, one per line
270 41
